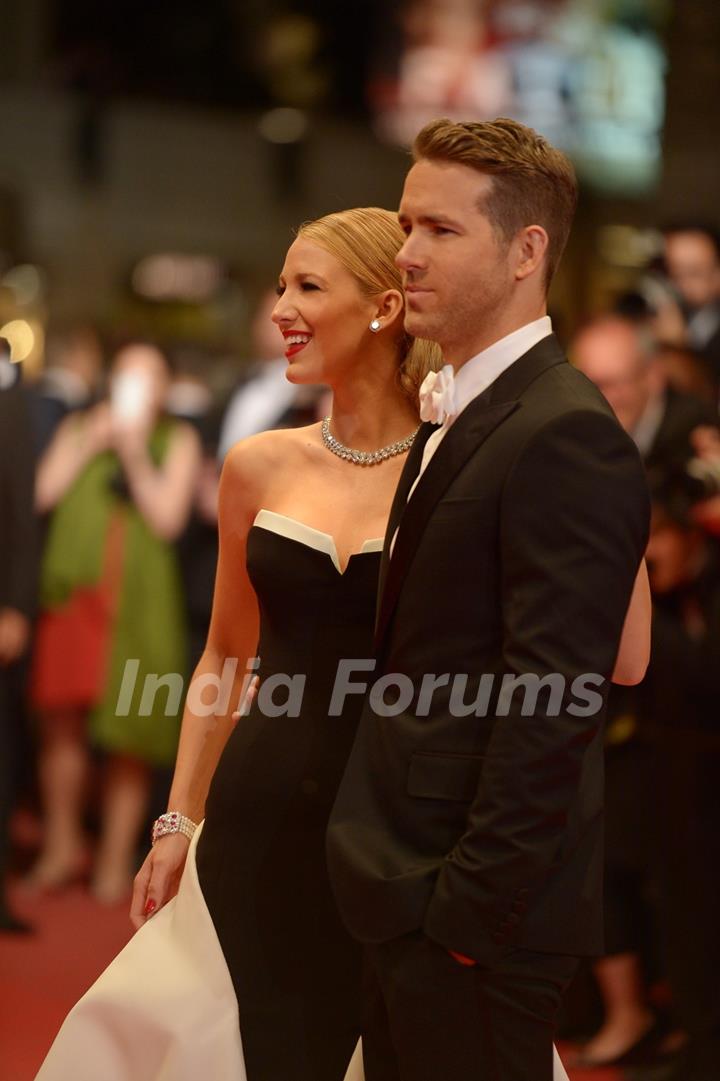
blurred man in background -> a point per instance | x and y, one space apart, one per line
620 358
692 260
18 573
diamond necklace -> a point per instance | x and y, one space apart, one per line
364 457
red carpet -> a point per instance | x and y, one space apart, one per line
42 975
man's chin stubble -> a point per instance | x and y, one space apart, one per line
419 326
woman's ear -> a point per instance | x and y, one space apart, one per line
532 245
390 305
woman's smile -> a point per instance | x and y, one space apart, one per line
295 341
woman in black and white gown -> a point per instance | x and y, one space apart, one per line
245 972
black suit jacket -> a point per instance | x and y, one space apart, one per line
710 352
18 531
516 554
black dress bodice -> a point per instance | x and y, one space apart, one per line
311 615
261 857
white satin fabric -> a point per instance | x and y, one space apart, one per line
308 535
165 1008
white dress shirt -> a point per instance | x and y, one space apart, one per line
478 373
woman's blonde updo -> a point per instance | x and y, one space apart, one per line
366 240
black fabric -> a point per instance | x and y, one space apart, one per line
516 553
48 412
18 590
674 694
678 704
631 839
261 858
429 1017
14 753
671 448
18 528
710 352
663 813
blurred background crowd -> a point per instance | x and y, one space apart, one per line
152 165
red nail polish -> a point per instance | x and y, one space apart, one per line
150 907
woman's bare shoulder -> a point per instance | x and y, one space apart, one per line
268 451
254 464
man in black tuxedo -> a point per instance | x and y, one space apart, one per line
465 847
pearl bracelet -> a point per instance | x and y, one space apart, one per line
173 822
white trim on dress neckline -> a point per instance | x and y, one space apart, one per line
308 535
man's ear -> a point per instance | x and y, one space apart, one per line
531 245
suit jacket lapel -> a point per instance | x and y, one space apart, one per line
476 422
471 429
407 479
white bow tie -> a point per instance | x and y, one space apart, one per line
437 395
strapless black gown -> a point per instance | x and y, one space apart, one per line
261 855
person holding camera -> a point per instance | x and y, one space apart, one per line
118 480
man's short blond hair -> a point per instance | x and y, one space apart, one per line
533 182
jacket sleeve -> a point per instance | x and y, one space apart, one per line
19 526
573 528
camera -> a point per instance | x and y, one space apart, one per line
130 396
704 477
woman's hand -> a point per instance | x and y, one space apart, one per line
130 441
158 879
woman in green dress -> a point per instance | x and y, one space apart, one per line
118 482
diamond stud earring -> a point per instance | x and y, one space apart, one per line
375 326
